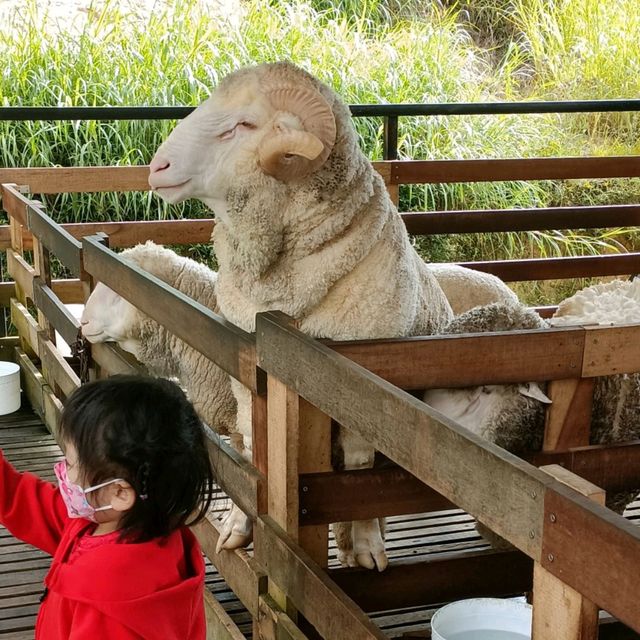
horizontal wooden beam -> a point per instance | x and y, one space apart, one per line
497 220
78 179
494 170
390 490
559 268
112 360
128 234
467 360
411 583
232 349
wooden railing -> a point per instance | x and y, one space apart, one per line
300 385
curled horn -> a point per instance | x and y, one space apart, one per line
288 154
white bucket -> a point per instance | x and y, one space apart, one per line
9 387
482 619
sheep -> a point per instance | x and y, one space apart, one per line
512 416
109 317
468 288
304 226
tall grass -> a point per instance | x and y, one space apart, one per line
370 51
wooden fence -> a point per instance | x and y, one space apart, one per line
581 553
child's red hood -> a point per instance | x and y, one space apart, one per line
154 588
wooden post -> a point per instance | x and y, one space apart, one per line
299 441
569 415
559 611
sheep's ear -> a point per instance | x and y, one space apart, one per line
290 154
533 390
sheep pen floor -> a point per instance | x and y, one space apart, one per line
29 446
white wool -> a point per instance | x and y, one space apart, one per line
616 302
467 288
108 317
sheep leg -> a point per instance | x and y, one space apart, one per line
237 530
367 536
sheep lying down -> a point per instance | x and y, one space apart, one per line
107 317
512 416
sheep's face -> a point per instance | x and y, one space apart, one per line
259 121
107 317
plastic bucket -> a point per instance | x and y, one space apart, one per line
482 619
9 387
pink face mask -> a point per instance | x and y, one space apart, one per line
74 495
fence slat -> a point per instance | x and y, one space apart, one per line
232 349
460 361
308 587
495 220
486 170
57 314
66 248
559 268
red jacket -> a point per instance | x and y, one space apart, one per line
117 591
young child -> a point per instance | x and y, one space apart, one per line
136 472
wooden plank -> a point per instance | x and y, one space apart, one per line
219 624
130 233
114 360
32 382
559 610
275 624
611 350
474 474
314 455
232 349
58 371
470 359
60 242
241 481
14 203
568 418
23 274
56 313
317 597
68 291
410 583
391 490
497 220
240 571
283 439
52 411
559 268
489 170
27 328
78 179
594 551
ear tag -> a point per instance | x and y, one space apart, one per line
533 390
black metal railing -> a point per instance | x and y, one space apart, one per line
389 112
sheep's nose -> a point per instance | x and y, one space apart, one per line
159 164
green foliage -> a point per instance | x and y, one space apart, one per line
370 51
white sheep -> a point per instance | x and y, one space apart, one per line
467 288
512 416
108 317
305 226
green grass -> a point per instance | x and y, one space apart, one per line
370 51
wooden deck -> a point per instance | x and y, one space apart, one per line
29 446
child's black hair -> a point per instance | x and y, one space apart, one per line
145 431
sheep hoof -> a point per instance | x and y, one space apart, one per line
347 559
368 545
236 531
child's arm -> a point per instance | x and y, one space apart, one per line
32 509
